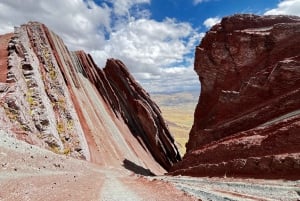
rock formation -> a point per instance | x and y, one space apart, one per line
247 121
61 100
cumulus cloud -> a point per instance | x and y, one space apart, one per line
170 80
286 7
154 52
77 21
122 7
208 23
176 79
158 53
196 2
151 43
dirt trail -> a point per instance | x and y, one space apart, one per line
237 189
30 173
113 189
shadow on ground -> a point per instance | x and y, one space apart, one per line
129 165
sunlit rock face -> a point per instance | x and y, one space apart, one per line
247 121
61 100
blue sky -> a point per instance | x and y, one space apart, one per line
185 10
156 39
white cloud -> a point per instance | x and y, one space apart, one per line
76 21
122 7
153 50
150 42
159 54
196 2
286 7
176 79
208 23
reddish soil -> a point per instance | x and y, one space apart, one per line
30 173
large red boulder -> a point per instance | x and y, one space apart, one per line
247 121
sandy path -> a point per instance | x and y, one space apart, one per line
237 189
113 189
30 173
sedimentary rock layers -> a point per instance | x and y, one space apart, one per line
141 114
247 119
130 103
62 101
37 101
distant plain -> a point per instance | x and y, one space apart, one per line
178 111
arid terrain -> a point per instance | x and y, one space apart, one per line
70 130
31 173
178 110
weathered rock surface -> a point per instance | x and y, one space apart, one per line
131 103
61 100
247 122
141 114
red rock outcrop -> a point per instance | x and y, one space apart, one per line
247 121
62 101
4 39
141 114
131 103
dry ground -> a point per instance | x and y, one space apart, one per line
178 110
30 173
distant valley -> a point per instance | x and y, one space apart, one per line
178 111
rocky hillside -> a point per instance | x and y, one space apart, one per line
60 100
247 122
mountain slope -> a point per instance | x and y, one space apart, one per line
247 121
62 101
107 134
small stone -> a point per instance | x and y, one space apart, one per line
56 165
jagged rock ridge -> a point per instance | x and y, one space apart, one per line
247 121
62 101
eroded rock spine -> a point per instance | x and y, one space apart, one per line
62 101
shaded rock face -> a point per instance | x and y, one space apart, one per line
130 102
62 101
141 114
247 121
